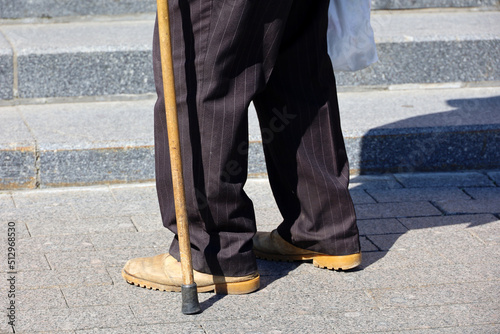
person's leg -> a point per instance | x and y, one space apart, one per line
305 154
223 53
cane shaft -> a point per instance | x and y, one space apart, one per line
174 141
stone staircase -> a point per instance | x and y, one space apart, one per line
76 91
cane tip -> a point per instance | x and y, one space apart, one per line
190 303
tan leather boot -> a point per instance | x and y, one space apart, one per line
163 272
271 246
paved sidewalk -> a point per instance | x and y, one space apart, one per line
431 264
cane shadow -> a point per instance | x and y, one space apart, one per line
421 149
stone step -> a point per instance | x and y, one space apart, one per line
22 9
417 4
114 57
62 144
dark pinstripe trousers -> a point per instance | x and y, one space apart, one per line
228 53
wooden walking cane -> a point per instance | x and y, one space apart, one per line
190 303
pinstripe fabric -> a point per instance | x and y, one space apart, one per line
226 54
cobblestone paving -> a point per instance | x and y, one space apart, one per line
431 263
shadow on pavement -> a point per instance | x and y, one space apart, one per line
465 138
269 271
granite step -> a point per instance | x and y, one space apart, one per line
418 4
22 9
61 144
102 58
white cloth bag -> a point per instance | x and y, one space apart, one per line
351 44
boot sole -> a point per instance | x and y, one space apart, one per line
332 262
235 288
